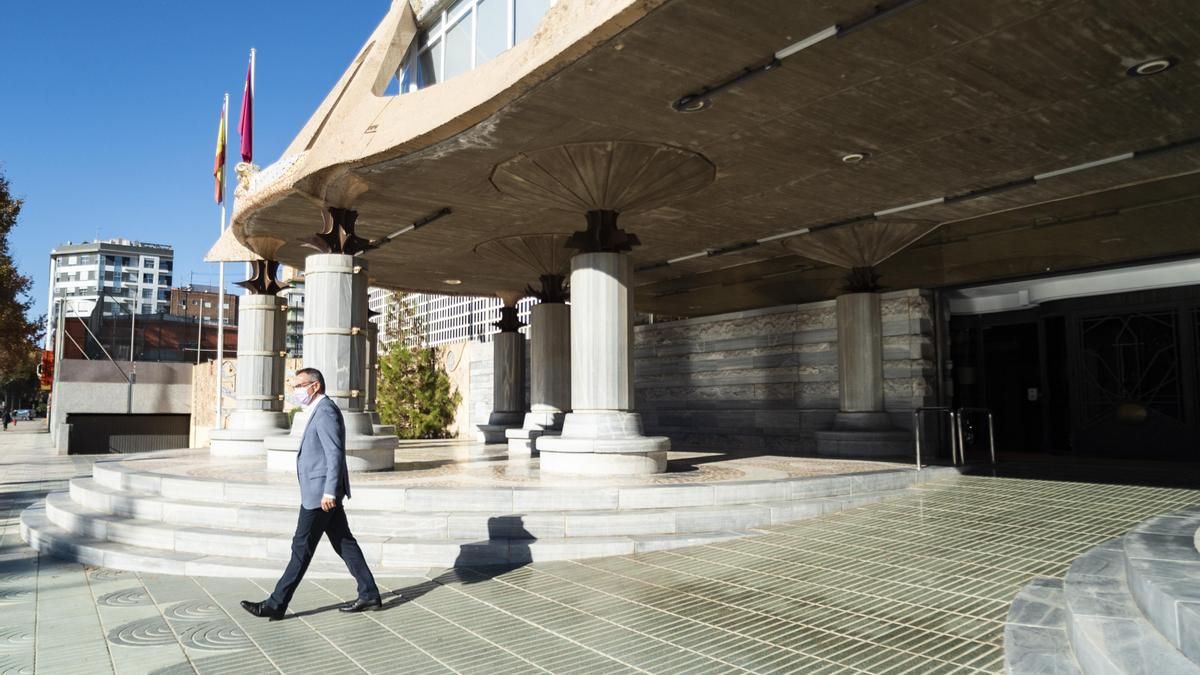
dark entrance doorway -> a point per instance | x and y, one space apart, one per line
1111 376
1012 355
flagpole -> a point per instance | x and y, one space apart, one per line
253 96
219 423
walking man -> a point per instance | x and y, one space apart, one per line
324 483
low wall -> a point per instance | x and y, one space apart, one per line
478 394
760 380
767 379
100 387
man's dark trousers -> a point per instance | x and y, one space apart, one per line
311 525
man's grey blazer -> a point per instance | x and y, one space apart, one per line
321 464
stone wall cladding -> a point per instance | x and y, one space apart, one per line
478 397
761 380
764 380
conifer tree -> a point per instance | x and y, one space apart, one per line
414 391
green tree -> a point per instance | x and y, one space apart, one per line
19 386
414 391
19 335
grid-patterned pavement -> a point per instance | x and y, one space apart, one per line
918 584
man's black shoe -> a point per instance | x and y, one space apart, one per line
361 604
261 610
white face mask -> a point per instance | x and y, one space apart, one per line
301 396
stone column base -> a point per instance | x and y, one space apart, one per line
364 451
521 442
498 425
378 427
246 432
603 443
862 421
863 434
860 444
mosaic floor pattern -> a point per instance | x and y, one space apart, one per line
918 584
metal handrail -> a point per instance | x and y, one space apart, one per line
991 432
917 427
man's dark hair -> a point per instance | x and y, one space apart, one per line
316 375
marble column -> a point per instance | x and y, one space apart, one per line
370 376
335 343
602 435
550 377
860 353
508 376
861 428
262 327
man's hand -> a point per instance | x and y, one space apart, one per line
328 503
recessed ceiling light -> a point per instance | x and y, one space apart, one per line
452 282
691 103
854 157
1151 67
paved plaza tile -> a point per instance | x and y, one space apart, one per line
917 584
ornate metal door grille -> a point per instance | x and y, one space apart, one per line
1130 367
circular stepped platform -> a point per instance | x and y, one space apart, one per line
151 515
1130 605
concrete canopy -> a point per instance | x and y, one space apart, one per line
943 98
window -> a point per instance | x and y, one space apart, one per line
148 293
466 35
165 265
148 263
182 304
125 261
72 260
147 278
164 280
528 14
195 303
207 304
91 275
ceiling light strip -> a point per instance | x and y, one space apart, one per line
416 225
700 100
990 190
682 258
807 42
1084 166
910 207
950 199
732 248
785 235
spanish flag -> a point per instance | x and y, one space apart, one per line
219 162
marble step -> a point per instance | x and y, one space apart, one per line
46 537
1163 569
1035 634
522 499
471 524
1108 632
86 523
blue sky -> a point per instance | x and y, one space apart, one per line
110 110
